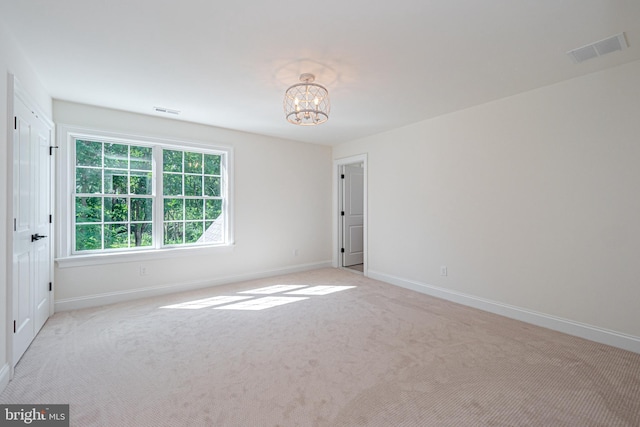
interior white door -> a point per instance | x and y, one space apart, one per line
42 246
31 242
353 218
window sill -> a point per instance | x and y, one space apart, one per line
137 256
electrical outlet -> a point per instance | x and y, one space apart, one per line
143 270
443 270
296 252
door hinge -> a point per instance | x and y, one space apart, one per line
50 287
51 147
14 225
50 219
342 213
15 122
342 176
14 326
342 250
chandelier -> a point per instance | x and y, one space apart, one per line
307 103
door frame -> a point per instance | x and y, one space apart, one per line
337 218
15 90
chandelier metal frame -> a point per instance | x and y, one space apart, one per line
307 103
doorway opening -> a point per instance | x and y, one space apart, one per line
351 230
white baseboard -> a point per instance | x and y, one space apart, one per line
582 330
5 376
120 296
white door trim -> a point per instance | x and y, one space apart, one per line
337 223
8 226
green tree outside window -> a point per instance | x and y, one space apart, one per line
115 200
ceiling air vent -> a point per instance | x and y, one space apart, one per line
166 110
599 48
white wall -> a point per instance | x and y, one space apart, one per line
11 62
531 201
282 202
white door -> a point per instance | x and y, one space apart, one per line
31 219
353 214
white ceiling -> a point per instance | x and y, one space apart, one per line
386 63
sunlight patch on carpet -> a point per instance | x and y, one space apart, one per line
257 301
261 303
206 302
273 289
320 290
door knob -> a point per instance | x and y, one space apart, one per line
37 236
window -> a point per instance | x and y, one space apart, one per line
191 197
114 196
130 195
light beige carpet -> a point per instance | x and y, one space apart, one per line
372 355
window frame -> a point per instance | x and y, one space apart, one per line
104 195
65 206
184 196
